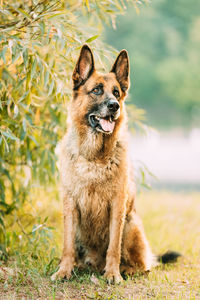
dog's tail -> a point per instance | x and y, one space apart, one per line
168 257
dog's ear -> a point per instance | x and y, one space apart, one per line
121 69
84 67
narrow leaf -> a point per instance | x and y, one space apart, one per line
10 135
92 38
24 13
46 78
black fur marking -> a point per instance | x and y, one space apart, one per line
76 87
169 257
94 108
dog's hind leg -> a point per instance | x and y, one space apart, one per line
68 256
136 252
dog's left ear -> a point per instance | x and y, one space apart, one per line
121 69
84 67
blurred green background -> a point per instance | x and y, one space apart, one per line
163 41
40 42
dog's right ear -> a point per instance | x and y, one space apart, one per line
84 67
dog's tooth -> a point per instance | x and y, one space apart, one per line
110 119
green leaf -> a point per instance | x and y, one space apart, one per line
23 97
25 57
42 27
33 139
51 87
29 120
20 82
28 79
22 134
16 111
33 68
55 14
3 52
24 124
6 144
24 13
46 78
8 29
4 205
10 135
87 4
2 223
15 53
92 38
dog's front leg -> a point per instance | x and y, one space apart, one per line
117 215
68 256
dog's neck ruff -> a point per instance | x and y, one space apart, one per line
91 145
95 145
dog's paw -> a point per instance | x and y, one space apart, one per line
113 277
128 271
65 269
60 274
55 276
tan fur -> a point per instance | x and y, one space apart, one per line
98 190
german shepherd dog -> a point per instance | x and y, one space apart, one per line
101 227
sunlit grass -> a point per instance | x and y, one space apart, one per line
171 221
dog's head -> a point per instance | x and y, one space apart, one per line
98 98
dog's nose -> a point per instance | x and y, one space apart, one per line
113 105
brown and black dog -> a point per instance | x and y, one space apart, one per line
101 227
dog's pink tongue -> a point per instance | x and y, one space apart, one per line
106 125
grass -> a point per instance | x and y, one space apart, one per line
171 221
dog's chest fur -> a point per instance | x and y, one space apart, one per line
92 186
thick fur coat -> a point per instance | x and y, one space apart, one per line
101 227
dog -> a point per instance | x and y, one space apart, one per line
101 227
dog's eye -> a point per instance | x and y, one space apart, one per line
116 93
97 91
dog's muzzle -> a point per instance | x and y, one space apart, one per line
104 120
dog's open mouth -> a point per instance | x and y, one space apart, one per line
106 124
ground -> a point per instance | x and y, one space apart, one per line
171 221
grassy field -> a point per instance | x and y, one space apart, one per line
171 220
